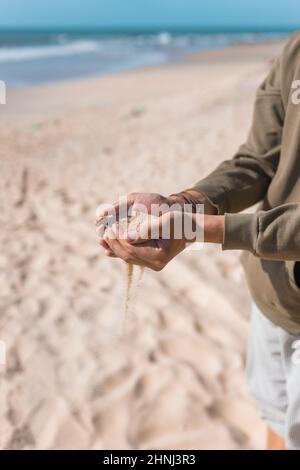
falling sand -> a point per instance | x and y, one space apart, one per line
131 288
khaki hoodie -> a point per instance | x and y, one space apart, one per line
266 169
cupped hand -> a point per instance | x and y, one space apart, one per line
133 202
153 244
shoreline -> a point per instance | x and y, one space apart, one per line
67 57
185 58
18 98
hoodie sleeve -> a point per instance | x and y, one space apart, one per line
272 234
243 181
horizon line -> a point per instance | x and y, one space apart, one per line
158 28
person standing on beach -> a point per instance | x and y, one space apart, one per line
265 170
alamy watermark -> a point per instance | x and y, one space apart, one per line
160 222
2 92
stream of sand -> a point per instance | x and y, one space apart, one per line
129 291
131 287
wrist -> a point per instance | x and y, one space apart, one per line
194 198
214 228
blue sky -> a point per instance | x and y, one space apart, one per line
149 13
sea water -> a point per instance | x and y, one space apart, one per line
36 57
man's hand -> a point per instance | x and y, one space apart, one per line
144 251
133 202
140 247
159 239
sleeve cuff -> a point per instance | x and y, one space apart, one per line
213 194
240 232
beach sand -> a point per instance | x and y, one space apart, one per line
175 380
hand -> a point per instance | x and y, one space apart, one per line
138 248
133 202
154 244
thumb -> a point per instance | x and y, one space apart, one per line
148 230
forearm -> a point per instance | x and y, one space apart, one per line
214 228
198 227
272 234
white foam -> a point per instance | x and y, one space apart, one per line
18 54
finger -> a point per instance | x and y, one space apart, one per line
102 224
145 253
111 210
107 250
123 250
119 208
110 254
104 244
104 210
148 255
149 230
115 245
100 229
123 253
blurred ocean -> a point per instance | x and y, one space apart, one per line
29 58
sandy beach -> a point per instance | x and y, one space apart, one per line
175 378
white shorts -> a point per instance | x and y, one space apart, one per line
273 376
